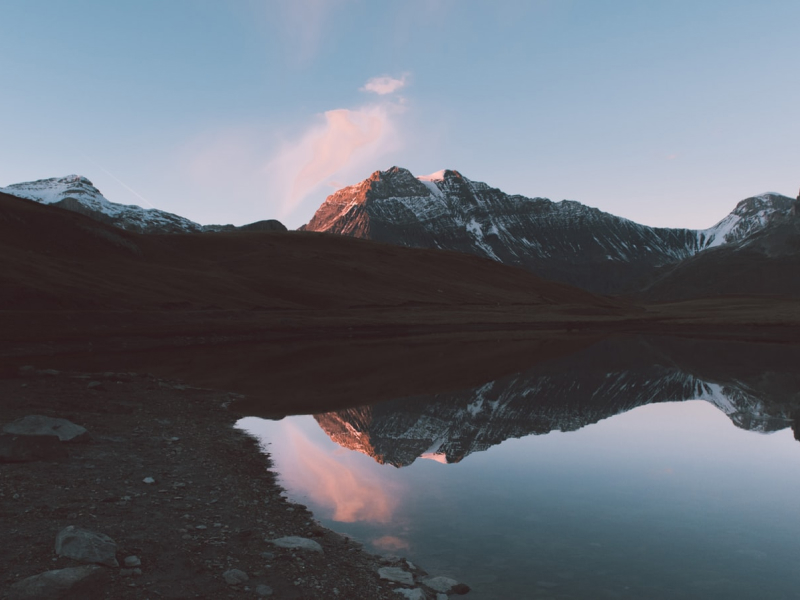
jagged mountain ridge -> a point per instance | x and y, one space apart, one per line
78 194
565 241
565 395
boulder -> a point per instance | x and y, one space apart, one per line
446 585
294 542
66 431
73 581
396 574
263 591
235 577
412 594
27 448
86 546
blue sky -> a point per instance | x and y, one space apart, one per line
666 113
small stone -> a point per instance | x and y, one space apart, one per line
396 574
72 581
133 561
235 577
413 594
201 527
268 555
95 385
148 480
440 584
137 572
263 591
126 572
86 546
294 542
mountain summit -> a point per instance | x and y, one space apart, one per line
565 241
78 194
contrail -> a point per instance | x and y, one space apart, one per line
115 178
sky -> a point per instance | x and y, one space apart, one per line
666 113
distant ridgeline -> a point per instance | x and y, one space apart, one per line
569 242
78 194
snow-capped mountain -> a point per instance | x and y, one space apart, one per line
565 241
565 395
78 194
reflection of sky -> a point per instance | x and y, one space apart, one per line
665 495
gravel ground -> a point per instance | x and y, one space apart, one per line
213 506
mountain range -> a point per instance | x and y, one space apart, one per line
563 241
78 194
755 386
754 250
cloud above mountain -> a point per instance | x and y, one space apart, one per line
384 85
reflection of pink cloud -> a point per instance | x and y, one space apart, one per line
391 543
351 494
346 139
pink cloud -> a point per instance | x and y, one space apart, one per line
384 85
345 141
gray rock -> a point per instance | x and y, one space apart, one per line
396 574
41 425
27 448
132 561
57 584
263 591
294 542
235 577
413 594
126 572
440 584
86 546
96 385
148 480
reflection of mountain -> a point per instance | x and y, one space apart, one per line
567 394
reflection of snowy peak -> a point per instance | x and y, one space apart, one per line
78 194
565 240
448 427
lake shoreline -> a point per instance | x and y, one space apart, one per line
212 507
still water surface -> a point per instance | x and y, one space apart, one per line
667 500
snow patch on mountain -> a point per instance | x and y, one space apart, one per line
78 194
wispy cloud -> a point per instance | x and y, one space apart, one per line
384 85
342 142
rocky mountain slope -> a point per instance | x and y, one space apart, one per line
565 395
78 194
564 241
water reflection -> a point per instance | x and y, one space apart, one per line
567 394
332 482
657 469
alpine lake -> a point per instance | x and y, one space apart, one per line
629 470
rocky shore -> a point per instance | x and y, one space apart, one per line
182 504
